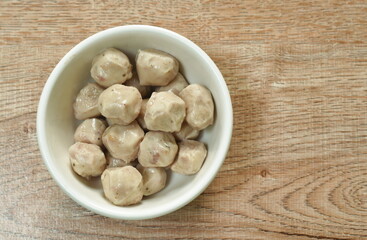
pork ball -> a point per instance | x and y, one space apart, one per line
123 141
158 149
186 132
154 179
87 160
111 67
141 115
175 86
190 157
113 162
86 102
121 102
165 111
199 106
123 186
90 131
155 67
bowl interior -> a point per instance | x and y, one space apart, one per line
56 124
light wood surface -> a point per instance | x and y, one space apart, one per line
297 74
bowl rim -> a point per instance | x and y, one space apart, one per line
138 215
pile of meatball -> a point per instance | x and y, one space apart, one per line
138 124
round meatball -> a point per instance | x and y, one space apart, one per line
121 102
155 67
87 160
186 132
145 91
141 115
86 102
199 106
165 112
175 86
123 141
190 157
90 131
123 186
154 179
115 162
158 149
111 67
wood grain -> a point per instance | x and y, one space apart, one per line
297 74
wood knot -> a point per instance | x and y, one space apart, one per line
360 196
29 128
264 173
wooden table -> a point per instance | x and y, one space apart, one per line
297 74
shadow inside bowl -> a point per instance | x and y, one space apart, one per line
93 182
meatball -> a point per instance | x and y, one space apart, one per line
121 102
86 102
154 179
199 106
115 162
87 160
165 112
155 67
186 132
175 86
141 115
111 67
123 141
145 91
190 157
158 149
123 186
90 131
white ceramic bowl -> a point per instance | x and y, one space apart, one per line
56 123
